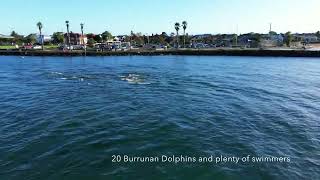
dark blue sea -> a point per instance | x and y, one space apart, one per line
79 118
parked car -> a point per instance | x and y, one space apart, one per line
62 47
36 47
25 47
102 47
65 47
78 47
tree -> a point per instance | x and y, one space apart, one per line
177 28
90 36
82 35
68 33
272 33
14 34
162 40
254 39
106 36
158 39
81 26
171 39
288 38
30 39
257 37
164 34
235 39
97 38
318 34
58 37
17 38
184 26
91 42
40 26
137 39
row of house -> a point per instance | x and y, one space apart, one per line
205 40
254 39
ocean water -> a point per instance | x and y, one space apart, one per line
70 118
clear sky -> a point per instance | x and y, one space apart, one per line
156 16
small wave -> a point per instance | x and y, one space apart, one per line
59 73
140 83
69 76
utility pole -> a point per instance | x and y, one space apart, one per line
148 38
270 27
237 35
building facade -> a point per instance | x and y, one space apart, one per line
75 39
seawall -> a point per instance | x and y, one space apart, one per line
211 52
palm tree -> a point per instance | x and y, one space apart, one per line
177 27
184 26
82 38
40 26
68 33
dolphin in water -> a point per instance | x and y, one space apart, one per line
133 79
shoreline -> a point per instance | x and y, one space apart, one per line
182 52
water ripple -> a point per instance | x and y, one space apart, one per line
64 118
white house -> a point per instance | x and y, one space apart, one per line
307 37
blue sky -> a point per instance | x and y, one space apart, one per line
155 16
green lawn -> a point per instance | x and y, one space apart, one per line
45 47
7 47
50 46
